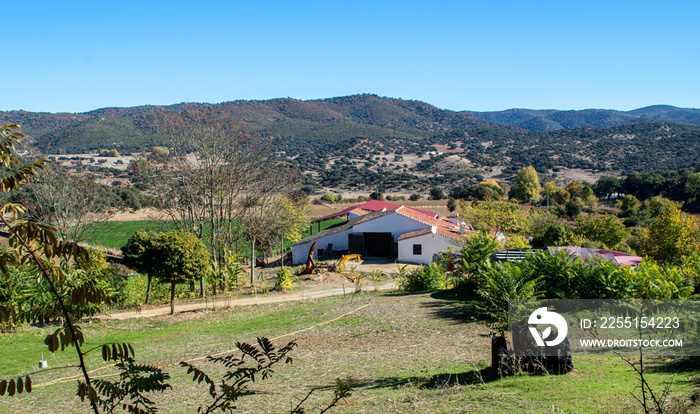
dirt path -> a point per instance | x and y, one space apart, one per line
324 291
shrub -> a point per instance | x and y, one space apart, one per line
430 277
475 254
329 198
285 280
501 283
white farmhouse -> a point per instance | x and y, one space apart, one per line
402 233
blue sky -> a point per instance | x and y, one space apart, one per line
461 55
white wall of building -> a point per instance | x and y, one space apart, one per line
390 223
430 244
300 252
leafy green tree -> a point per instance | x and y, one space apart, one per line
136 256
606 186
582 193
629 205
451 204
572 209
489 215
173 257
474 255
329 198
502 283
415 197
178 257
436 193
37 244
671 234
606 229
526 187
546 230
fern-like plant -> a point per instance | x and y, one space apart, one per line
502 283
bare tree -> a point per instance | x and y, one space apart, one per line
70 203
218 176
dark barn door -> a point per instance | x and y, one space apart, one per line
356 244
378 244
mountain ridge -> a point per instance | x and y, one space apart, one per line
554 119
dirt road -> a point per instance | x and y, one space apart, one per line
320 291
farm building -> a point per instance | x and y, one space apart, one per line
409 235
354 212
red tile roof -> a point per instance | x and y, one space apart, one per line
443 227
374 205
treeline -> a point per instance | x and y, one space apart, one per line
681 185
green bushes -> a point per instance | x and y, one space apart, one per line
430 277
285 280
503 282
134 291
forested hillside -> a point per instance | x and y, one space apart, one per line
552 120
371 140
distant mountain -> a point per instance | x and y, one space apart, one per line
363 131
364 116
552 120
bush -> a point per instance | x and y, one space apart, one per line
430 277
415 197
329 198
285 280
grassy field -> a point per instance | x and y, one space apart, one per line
115 234
418 353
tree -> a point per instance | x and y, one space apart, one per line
606 186
53 200
179 258
606 229
215 168
489 215
35 243
583 193
629 205
436 193
451 204
671 234
135 256
526 187
173 257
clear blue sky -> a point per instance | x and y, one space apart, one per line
70 56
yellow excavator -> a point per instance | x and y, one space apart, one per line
312 266
340 266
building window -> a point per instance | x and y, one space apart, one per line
417 249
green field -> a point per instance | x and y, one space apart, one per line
417 353
115 234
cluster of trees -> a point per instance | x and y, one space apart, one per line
681 186
660 230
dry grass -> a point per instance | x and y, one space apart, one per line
419 353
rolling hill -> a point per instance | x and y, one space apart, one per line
371 138
552 120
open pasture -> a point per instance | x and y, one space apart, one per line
417 353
